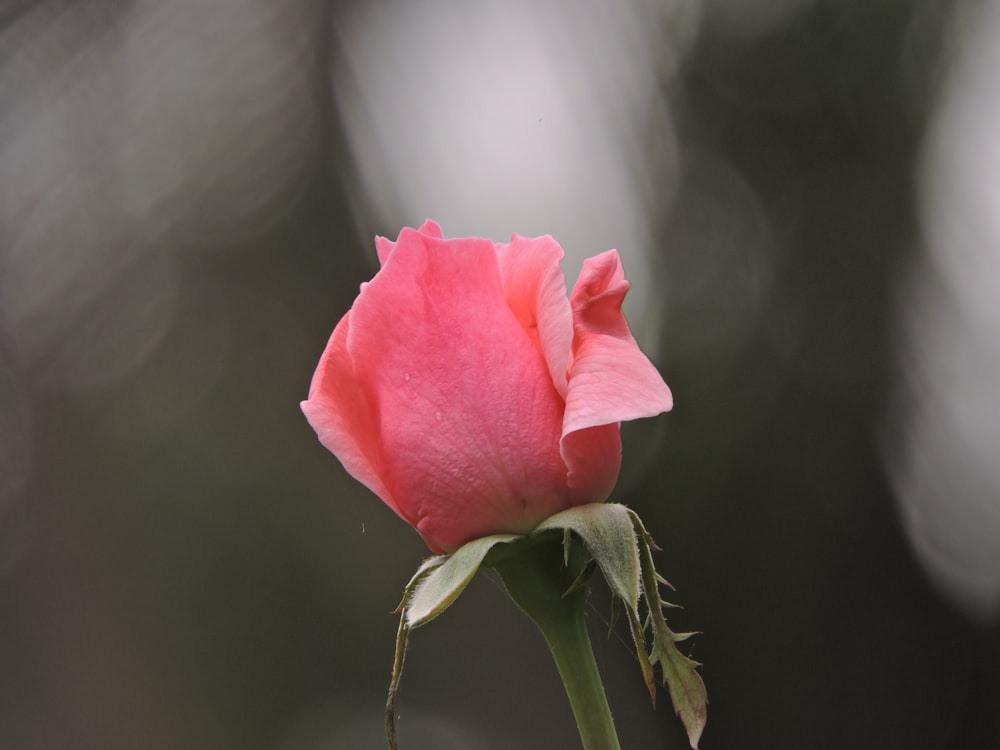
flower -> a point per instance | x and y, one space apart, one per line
471 395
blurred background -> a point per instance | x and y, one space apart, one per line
805 194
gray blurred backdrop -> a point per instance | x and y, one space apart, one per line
805 193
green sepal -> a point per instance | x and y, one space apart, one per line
607 531
425 567
614 615
680 673
617 542
610 536
435 592
402 639
583 579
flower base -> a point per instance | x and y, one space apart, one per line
547 573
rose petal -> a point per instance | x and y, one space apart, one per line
469 419
610 379
384 246
535 290
342 414
431 228
593 458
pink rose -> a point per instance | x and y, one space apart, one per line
465 390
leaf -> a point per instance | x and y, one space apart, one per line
402 639
436 584
435 592
618 543
607 531
582 580
610 536
645 664
680 673
614 614
425 567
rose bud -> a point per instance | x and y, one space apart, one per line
468 392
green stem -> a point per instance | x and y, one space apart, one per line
537 579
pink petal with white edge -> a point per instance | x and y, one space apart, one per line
469 419
535 289
610 379
342 414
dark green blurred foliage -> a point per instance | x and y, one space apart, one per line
182 565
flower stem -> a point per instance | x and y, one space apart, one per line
538 579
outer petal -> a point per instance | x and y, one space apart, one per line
535 289
469 419
385 246
610 379
593 458
344 416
